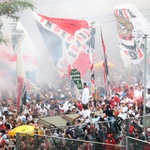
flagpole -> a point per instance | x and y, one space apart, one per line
18 63
144 101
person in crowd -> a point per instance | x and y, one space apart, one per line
131 111
109 116
95 121
111 142
74 110
123 103
85 120
27 110
137 91
42 111
148 101
70 131
85 94
61 107
79 118
123 110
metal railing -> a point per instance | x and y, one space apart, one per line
125 128
136 144
59 142
39 142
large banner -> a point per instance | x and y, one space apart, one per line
68 42
132 28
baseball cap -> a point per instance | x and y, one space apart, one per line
73 107
80 106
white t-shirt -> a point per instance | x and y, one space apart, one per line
131 112
148 100
47 106
43 112
5 109
85 95
38 106
81 113
95 122
137 94
87 113
123 114
26 111
65 106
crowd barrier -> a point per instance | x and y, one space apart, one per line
136 144
38 142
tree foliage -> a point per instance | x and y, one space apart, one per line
11 9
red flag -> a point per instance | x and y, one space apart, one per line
68 25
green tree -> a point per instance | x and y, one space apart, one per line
11 9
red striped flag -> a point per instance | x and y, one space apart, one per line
92 69
105 65
21 80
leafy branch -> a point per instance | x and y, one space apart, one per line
10 9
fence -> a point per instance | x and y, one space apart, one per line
53 142
136 144
38 142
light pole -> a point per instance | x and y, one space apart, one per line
144 102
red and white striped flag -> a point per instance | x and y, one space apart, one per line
27 48
105 65
21 80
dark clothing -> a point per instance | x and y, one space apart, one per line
71 131
55 107
108 112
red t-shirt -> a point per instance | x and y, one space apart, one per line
2 127
110 141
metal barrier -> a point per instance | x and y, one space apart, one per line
38 142
136 144
136 121
125 128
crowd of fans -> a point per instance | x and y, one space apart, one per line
101 115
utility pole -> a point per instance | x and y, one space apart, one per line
144 102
